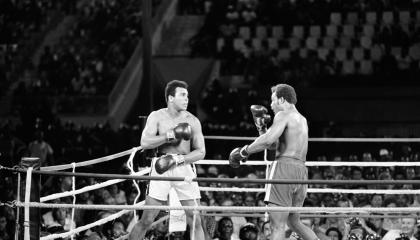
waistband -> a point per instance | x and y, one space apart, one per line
291 159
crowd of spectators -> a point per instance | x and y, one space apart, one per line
58 143
20 22
89 58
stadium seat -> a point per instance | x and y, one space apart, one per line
376 53
366 42
261 32
312 43
220 44
298 32
388 17
332 31
340 54
404 17
414 52
323 53
294 43
358 54
238 43
335 18
371 18
256 43
315 31
368 30
277 32
244 32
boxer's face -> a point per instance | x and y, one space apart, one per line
180 100
275 103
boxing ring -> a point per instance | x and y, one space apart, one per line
141 175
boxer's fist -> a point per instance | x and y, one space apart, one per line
180 131
165 162
237 155
261 117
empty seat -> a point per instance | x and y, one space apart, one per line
328 42
340 54
348 31
335 18
414 52
388 17
261 32
332 31
294 43
277 32
244 32
368 30
352 18
312 42
273 43
348 67
298 32
376 53
358 54
284 54
404 17
256 43
371 18
315 31
366 67
323 53
238 43
366 42
345 42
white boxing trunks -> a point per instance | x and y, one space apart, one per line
185 190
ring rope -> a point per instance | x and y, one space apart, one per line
323 139
27 200
88 188
91 162
317 164
224 180
398 210
313 215
319 190
91 225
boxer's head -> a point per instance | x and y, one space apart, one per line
172 86
282 94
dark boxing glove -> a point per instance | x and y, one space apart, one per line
237 155
261 117
180 131
165 162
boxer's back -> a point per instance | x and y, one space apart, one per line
294 140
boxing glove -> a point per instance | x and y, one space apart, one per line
180 131
237 155
261 117
165 162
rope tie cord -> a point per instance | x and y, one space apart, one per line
74 199
188 179
130 166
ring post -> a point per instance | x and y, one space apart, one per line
34 214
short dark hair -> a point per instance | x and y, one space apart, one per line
285 91
172 85
334 229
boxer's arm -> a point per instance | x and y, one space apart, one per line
266 140
149 137
197 143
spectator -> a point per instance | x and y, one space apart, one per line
266 231
407 230
225 230
334 233
4 234
248 231
118 229
41 149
